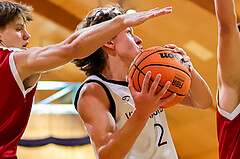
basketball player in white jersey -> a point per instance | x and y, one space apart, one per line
121 122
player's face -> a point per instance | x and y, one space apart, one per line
15 34
127 45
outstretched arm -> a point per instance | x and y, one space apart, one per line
228 55
225 13
80 44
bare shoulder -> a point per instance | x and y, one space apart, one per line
20 53
93 108
35 50
39 59
92 98
21 56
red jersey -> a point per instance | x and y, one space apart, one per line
228 127
15 105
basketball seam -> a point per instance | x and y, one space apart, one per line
163 65
134 62
140 71
167 66
148 56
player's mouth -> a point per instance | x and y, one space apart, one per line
25 45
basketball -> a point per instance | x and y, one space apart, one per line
164 61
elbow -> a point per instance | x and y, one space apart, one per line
202 100
209 100
101 153
205 104
227 27
104 155
224 29
104 151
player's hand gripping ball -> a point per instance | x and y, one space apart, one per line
164 61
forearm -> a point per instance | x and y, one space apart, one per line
228 41
121 141
87 40
78 45
225 12
199 93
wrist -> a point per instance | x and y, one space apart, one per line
141 115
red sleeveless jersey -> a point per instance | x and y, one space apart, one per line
15 105
228 126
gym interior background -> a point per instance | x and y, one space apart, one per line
55 130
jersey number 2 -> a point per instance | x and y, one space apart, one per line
160 142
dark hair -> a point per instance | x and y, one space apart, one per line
238 25
9 11
95 63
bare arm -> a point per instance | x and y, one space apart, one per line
225 13
93 107
199 95
80 44
228 55
228 38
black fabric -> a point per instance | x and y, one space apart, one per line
123 83
57 141
112 103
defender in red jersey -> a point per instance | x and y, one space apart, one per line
20 67
228 109
15 105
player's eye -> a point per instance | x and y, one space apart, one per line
19 29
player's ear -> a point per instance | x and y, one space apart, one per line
109 45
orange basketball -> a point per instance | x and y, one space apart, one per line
164 61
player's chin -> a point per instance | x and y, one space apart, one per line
139 51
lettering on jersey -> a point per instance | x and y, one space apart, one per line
126 98
156 113
129 114
178 82
176 56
